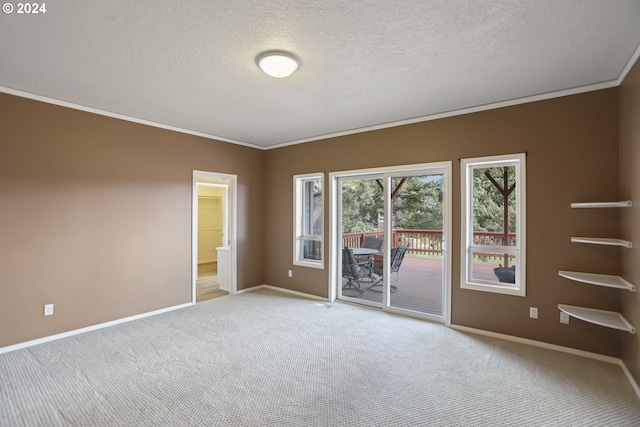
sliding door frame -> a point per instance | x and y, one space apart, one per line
387 172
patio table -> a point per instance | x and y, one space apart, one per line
364 251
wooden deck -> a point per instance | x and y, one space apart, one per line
419 285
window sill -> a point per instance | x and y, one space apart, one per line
310 264
496 289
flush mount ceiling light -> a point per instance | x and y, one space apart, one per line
278 64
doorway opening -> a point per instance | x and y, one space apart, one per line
213 235
389 230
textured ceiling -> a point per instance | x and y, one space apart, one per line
365 64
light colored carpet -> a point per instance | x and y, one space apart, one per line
268 359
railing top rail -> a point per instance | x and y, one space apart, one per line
491 233
417 231
422 231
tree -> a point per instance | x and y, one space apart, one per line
417 205
361 204
488 202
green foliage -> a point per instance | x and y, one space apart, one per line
418 204
361 203
488 202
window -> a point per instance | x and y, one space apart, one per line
309 220
493 224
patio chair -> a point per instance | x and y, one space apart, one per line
369 242
397 255
372 242
352 271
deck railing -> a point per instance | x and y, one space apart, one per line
427 242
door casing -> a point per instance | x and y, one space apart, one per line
230 208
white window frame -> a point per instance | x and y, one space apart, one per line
298 221
467 247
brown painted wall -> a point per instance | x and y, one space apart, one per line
572 145
95 216
629 110
95 213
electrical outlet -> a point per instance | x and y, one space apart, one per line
533 312
48 309
290 273
564 317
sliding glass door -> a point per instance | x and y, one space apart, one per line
391 228
361 207
417 264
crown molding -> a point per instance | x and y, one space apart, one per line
629 65
452 113
80 107
460 112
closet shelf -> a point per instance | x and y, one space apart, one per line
624 204
599 280
602 241
609 319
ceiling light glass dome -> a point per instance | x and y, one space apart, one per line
278 64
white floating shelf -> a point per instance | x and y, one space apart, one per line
599 280
609 319
625 204
602 241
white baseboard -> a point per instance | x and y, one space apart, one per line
590 355
632 380
286 291
569 350
541 344
42 340
576 352
251 289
